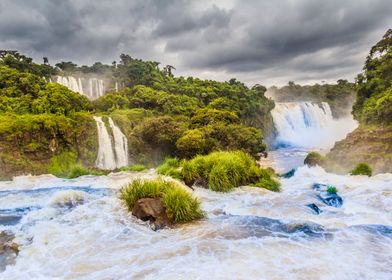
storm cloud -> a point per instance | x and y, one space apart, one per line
268 42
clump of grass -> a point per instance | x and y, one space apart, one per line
362 169
332 190
135 168
170 167
224 171
179 204
77 170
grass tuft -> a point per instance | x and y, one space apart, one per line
170 167
135 168
180 205
332 190
224 171
362 169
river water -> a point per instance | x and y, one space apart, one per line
78 229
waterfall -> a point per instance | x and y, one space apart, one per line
307 124
92 88
120 145
112 153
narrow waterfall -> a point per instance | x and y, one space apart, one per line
307 124
112 153
105 158
120 145
92 88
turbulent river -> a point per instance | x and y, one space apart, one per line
78 229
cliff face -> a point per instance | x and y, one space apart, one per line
27 143
370 144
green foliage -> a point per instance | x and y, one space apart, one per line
61 164
362 169
224 171
134 167
313 159
179 204
374 85
192 142
205 117
332 190
170 167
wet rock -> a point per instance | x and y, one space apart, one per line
152 210
9 220
289 174
315 208
218 212
328 198
331 199
8 249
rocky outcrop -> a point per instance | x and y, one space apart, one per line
8 249
152 210
369 144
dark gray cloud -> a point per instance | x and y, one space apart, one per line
257 41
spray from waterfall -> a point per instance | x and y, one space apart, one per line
112 151
309 125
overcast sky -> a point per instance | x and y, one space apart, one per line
267 42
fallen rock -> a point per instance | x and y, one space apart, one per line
152 210
8 249
315 208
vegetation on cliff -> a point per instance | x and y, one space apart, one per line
371 142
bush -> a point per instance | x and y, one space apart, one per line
224 171
313 159
362 169
61 164
77 170
332 190
170 167
135 168
179 204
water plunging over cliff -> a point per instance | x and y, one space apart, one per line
112 152
93 88
307 124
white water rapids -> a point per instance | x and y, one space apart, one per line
78 229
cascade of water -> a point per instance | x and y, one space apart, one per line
95 87
112 153
105 158
307 124
120 145
116 87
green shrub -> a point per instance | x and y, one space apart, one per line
362 169
77 170
170 167
224 171
135 168
313 159
332 189
61 164
180 205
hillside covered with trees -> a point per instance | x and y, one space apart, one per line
44 125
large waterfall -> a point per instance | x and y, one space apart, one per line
93 88
112 151
307 124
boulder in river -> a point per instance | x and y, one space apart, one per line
288 174
8 249
152 210
326 196
315 208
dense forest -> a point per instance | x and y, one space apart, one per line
44 124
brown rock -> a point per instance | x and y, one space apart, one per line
8 249
152 210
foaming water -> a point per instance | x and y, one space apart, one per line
78 229
310 125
